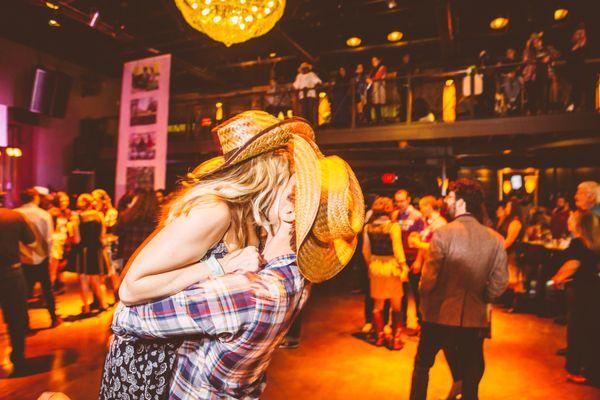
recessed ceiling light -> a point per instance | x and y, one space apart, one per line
272 55
53 23
51 5
395 36
392 4
353 41
499 23
560 14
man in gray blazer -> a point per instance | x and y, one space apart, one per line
466 269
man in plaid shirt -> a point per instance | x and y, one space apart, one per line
236 321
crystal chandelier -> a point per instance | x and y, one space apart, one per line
232 21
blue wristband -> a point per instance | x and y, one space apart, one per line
214 267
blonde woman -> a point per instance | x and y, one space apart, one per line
383 252
210 225
110 216
91 260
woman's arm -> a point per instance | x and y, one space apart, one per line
513 233
172 282
179 244
396 234
566 271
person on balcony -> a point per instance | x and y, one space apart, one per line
341 99
404 71
510 84
360 97
576 69
376 81
537 73
305 83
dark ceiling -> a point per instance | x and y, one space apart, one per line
439 33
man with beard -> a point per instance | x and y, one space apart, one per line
465 270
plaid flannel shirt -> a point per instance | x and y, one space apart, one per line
238 320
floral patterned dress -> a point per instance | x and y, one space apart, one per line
137 369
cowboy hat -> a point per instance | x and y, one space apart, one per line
252 133
340 218
304 65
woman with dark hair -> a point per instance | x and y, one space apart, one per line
580 273
137 223
510 226
383 252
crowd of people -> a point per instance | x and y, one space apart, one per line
522 81
46 237
475 260
447 253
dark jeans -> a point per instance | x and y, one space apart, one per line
583 330
13 299
293 333
308 109
464 349
411 286
40 273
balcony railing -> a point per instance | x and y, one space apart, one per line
467 93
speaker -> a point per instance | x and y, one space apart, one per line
50 92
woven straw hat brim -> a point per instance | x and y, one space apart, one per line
340 218
308 187
320 261
345 203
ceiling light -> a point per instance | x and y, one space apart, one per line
206 11
272 55
94 15
392 4
394 36
194 5
53 23
51 5
499 23
353 41
560 14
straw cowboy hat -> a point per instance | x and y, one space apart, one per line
340 218
329 203
252 133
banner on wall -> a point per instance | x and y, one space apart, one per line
143 120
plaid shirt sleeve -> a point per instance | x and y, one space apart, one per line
215 307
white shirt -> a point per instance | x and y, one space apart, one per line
40 222
306 81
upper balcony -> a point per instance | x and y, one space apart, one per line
465 115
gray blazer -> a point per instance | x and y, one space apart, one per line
466 268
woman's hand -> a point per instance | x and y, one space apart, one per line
243 260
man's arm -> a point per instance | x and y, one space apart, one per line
498 279
49 231
220 306
433 264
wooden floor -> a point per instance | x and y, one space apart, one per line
330 364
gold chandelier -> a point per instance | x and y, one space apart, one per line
232 21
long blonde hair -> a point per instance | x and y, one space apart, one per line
249 189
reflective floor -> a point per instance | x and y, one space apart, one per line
331 363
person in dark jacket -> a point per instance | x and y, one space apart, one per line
466 269
13 287
137 223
